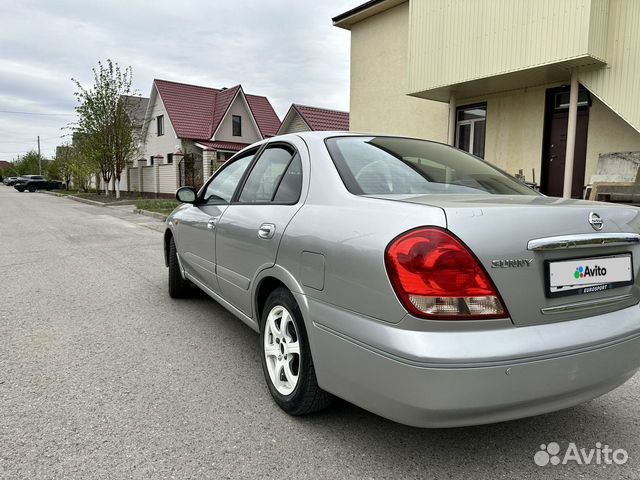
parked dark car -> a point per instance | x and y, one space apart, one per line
9 181
35 182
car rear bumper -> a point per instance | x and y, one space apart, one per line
432 394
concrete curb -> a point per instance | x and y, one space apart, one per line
91 202
147 213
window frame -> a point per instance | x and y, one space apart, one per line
471 106
239 125
295 152
160 125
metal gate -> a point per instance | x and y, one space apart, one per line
190 169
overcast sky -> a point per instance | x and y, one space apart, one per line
284 49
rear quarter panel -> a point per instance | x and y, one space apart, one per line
335 244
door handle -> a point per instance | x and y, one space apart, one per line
267 230
211 224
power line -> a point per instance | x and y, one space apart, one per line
24 140
38 113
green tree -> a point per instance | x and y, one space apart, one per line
61 166
29 164
105 131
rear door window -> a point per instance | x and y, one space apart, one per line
275 177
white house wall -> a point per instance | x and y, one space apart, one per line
163 144
249 132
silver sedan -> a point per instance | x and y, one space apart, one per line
412 279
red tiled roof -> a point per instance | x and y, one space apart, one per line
223 101
190 107
195 112
323 118
231 146
266 118
5 164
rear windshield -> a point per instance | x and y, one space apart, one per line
400 166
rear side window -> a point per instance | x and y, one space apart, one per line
402 166
291 184
268 174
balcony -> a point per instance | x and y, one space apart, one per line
480 47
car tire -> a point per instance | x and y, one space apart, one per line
279 351
31 188
179 287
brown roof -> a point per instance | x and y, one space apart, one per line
322 118
196 112
5 164
230 146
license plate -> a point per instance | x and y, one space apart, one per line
588 275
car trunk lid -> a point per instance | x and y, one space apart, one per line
516 237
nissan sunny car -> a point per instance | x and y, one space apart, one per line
412 279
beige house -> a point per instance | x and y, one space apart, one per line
537 87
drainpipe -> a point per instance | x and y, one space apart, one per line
571 135
451 140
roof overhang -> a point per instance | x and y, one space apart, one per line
373 7
515 80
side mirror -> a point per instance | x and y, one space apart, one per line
186 195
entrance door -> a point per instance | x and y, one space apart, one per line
555 143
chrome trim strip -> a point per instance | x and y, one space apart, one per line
587 305
583 241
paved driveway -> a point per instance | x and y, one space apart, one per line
103 376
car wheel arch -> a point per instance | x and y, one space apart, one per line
268 280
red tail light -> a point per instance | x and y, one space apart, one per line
436 276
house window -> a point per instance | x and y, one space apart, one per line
237 125
471 123
562 99
169 157
151 160
160 124
224 156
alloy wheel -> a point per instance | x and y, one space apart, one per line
282 350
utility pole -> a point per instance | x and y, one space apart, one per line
39 157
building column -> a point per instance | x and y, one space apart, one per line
157 160
177 158
208 158
127 176
451 139
571 135
140 177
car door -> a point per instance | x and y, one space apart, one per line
249 232
198 222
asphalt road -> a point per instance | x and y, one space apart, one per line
102 375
